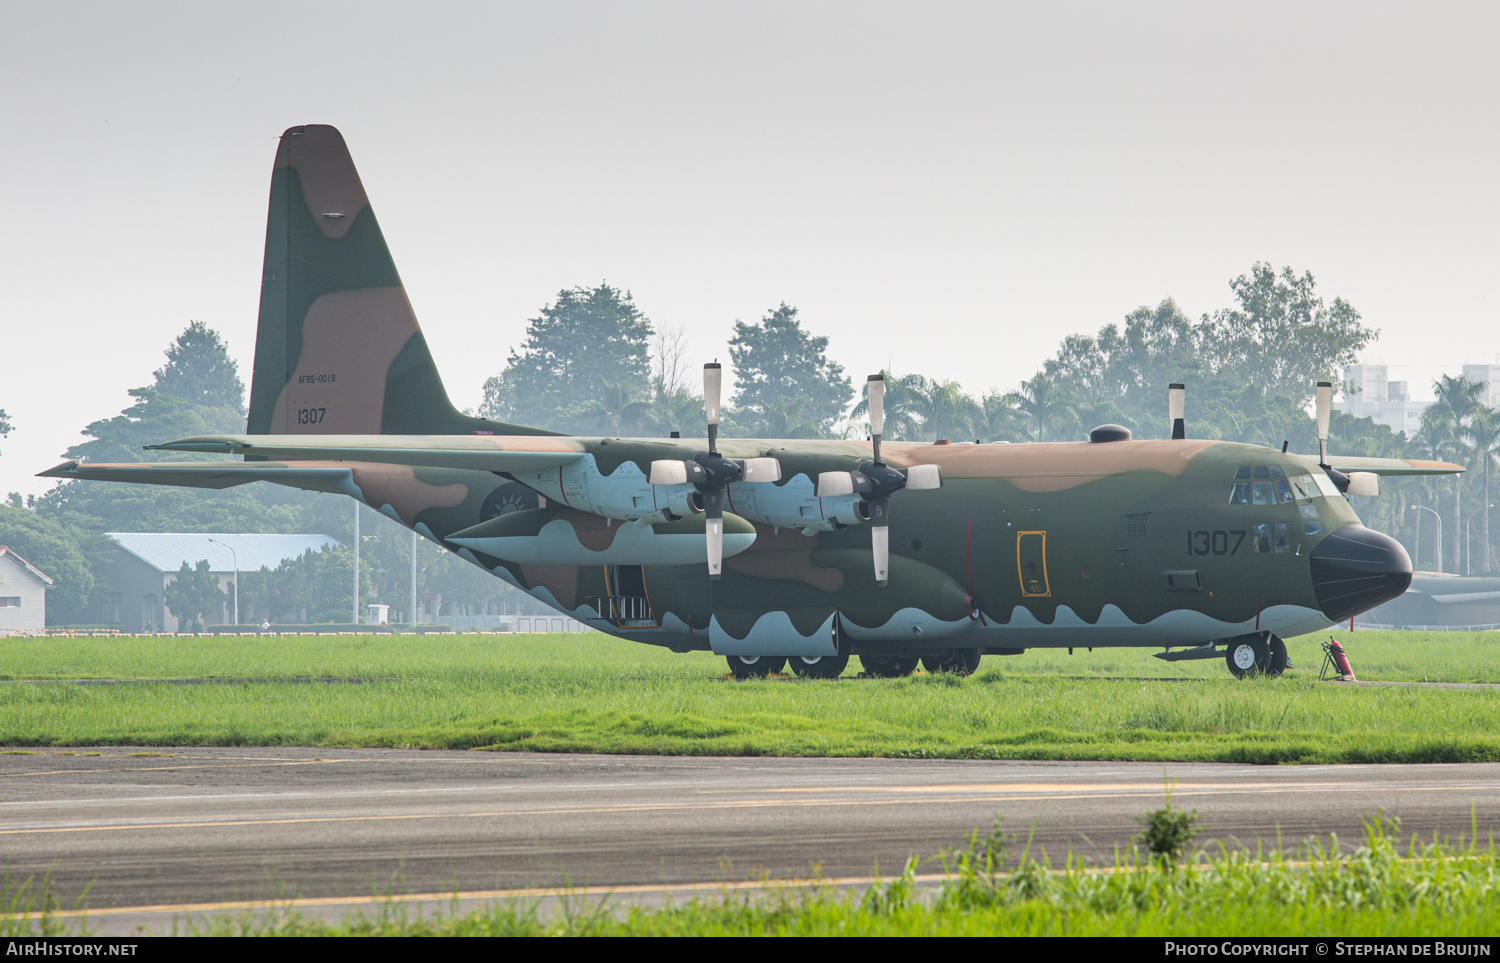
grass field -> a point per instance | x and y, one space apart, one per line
592 693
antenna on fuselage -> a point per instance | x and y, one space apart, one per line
1176 404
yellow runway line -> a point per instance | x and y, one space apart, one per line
642 808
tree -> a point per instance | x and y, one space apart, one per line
1483 435
587 340
199 370
1121 374
5 426
194 594
1282 337
1047 403
63 555
776 360
904 397
618 412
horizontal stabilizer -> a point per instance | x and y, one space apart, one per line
476 452
326 478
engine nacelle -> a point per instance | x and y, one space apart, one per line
627 494
794 505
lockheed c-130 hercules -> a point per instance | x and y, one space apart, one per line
770 551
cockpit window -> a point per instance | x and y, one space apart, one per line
1261 472
1242 473
1240 494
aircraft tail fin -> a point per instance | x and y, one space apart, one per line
338 349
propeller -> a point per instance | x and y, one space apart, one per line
1176 404
1340 480
876 482
711 473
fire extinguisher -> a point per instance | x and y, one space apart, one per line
1337 659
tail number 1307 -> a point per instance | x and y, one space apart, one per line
310 416
1216 543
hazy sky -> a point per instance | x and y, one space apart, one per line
941 188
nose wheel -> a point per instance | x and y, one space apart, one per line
1262 654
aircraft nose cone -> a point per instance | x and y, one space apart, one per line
1355 569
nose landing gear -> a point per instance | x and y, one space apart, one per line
1259 654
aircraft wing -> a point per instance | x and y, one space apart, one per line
1392 466
494 453
317 478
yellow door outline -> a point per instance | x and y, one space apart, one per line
1021 574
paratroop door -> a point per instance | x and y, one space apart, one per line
1031 563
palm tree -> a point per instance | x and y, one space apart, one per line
783 419
617 411
1461 398
1483 435
903 396
674 410
1004 421
947 412
1441 435
1047 402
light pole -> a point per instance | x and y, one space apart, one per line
236 577
1468 553
355 608
1424 508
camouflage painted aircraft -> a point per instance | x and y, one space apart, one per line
769 551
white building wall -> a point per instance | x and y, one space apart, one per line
23 599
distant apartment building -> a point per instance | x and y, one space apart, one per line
1368 393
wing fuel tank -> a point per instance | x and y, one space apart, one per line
565 536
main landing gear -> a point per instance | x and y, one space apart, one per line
819 666
957 661
755 666
1259 654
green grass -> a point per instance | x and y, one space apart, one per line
591 693
1436 890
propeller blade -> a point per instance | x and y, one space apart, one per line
713 508
713 382
832 484
1325 407
875 396
1176 404
880 538
923 478
667 472
761 470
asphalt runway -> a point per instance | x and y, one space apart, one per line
198 830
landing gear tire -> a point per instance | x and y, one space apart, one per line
755 666
888 666
957 661
1248 655
819 666
1279 658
